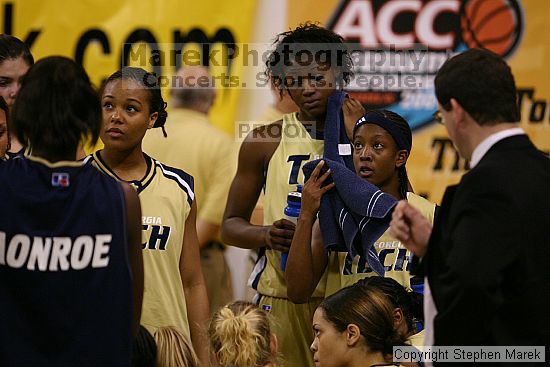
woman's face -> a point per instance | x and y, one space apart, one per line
376 157
11 72
4 141
126 116
309 86
329 347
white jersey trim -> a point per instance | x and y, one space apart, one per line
179 179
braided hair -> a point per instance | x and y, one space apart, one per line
149 82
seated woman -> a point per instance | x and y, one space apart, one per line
240 336
355 328
407 307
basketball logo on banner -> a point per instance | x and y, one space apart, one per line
398 46
492 24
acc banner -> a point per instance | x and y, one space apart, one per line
400 45
102 35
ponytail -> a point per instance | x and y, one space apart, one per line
240 336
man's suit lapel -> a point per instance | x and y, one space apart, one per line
435 249
442 217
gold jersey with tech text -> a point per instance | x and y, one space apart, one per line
166 195
344 271
284 173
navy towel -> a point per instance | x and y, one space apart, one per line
335 131
354 214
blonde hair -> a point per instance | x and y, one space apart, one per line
240 336
174 348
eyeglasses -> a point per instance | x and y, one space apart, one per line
438 117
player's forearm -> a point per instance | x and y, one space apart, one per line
239 232
299 267
196 300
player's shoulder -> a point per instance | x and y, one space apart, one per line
95 162
271 132
183 179
416 200
424 205
261 143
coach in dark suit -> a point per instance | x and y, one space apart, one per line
487 258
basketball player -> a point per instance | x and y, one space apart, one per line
70 284
174 294
382 142
272 155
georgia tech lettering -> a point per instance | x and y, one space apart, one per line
158 238
54 253
157 234
392 254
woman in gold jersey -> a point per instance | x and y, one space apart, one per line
355 328
271 157
381 142
174 291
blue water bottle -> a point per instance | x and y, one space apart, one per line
292 211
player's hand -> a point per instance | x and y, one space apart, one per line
353 110
411 228
313 191
279 235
